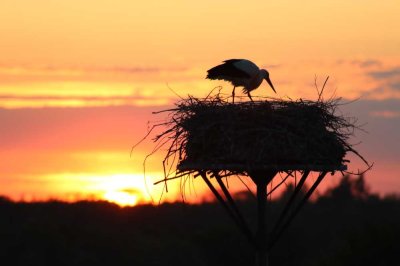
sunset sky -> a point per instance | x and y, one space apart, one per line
80 79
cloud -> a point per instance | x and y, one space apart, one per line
385 91
82 128
41 141
131 70
386 82
124 70
367 63
58 70
69 97
380 120
133 191
39 101
395 85
273 66
385 114
51 73
385 74
368 106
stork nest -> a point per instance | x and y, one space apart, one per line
214 131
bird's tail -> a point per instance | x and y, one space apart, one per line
226 71
215 72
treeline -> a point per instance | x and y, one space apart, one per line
347 226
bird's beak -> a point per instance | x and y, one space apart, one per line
270 83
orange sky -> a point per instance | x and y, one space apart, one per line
79 80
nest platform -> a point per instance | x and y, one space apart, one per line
214 138
214 134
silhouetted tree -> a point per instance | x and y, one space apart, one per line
350 188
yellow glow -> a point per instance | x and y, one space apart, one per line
294 79
22 103
125 189
168 32
121 198
68 88
87 94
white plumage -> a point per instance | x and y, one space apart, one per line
241 73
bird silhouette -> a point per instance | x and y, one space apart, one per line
241 73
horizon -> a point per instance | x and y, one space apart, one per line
77 90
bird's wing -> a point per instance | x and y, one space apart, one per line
231 61
247 66
226 71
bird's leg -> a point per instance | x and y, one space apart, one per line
248 93
233 94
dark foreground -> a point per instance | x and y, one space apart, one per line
347 227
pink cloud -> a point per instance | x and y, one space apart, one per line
385 114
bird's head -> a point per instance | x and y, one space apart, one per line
265 74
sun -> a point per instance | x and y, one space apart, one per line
121 198
124 189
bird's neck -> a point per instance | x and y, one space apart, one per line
257 80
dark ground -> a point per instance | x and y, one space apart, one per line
348 226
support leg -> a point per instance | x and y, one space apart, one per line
286 209
231 213
296 210
245 226
248 93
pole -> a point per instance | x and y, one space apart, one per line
262 256
261 179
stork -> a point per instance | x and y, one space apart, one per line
241 73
